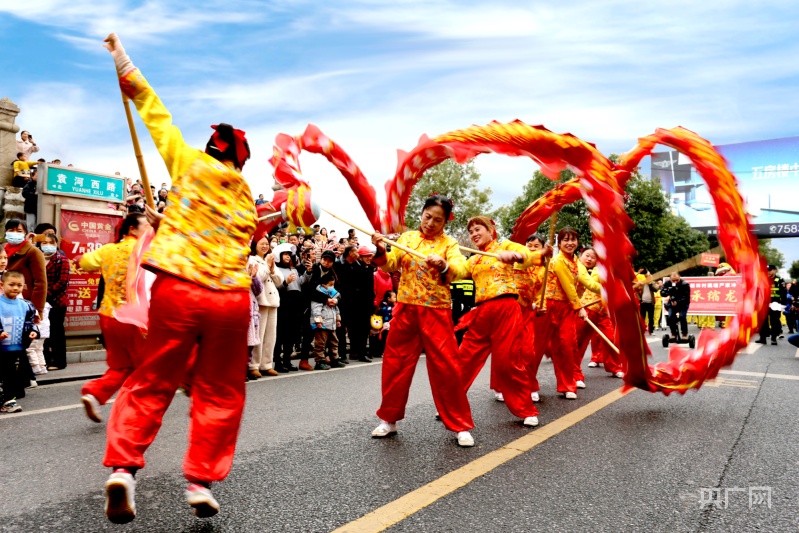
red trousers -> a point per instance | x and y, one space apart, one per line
185 316
414 327
539 324
495 327
562 334
124 349
600 351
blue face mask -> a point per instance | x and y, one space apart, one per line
12 237
48 249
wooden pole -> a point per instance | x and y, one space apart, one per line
478 252
148 193
685 265
552 221
589 304
270 216
604 337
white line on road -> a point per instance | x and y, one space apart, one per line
759 374
751 348
797 353
43 411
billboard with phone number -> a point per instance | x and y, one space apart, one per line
83 232
768 178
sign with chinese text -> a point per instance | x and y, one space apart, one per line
80 233
715 296
710 260
85 185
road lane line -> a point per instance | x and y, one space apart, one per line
43 411
759 374
797 353
751 348
403 507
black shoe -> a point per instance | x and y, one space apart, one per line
761 341
292 368
345 361
377 356
774 343
321 366
282 369
335 363
364 360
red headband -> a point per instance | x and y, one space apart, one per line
241 150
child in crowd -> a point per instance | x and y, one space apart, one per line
254 331
325 318
17 316
377 343
36 349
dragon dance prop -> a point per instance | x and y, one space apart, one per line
601 184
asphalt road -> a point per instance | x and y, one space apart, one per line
305 461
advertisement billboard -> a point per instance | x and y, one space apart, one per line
83 232
715 296
768 178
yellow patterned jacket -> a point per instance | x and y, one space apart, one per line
564 274
492 277
530 282
420 285
587 296
211 214
112 260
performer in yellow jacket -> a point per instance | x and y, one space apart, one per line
496 296
200 303
564 310
422 318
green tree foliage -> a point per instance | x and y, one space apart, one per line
771 254
660 237
794 271
459 182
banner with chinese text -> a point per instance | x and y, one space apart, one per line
715 296
80 233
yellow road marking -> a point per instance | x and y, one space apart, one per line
759 374
726 382
403 507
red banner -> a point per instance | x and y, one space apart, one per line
81 233
715 296
710 260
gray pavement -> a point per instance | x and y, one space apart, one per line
305 461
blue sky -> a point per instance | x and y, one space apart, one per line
376 75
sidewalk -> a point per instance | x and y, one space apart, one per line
73 372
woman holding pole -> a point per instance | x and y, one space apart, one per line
423 319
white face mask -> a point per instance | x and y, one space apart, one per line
48 249
13 237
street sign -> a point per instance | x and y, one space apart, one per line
70 182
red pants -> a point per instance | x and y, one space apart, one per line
600 351
562 335
183 316
414 327
539 323
508 365
124 349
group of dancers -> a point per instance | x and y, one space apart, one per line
199 313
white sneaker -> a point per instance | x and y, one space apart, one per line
92 407
465 439
531 421
592 364
32 385
619 374
580 384
535 397
201 500
120 505
385 429
571 395
499 397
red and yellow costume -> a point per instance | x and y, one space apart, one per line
495 326
423 319
200 305
563 303
530 282
600 351
124 343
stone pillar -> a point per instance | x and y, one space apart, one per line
8 140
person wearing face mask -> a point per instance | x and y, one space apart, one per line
564 311
57 268
25 258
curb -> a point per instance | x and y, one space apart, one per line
64 379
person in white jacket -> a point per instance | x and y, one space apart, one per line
26 145
268 302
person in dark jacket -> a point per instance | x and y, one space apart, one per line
776 303
676 293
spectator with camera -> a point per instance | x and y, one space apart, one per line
26 145
676 294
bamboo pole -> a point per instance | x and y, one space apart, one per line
604 337
552 221
148 193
